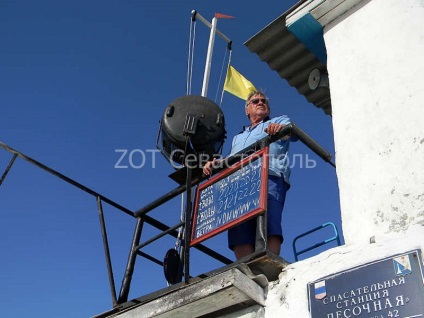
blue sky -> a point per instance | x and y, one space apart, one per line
80 80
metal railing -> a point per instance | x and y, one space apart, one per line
335 237
142 217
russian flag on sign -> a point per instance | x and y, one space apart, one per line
320 290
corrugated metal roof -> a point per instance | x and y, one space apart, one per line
290 58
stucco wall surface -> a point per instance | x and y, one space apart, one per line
376 72
376 66
288 297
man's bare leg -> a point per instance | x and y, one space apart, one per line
274 244
243 250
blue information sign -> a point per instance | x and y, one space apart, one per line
236 194
388 288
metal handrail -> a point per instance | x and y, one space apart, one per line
335 237
101 198
141 214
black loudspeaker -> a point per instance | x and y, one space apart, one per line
191 125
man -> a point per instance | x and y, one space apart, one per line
241 239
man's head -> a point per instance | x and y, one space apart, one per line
257 106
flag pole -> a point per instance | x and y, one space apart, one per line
196 15
208 63
209 58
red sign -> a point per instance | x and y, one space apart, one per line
233 196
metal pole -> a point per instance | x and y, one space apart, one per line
126 282
8 168
311 144
209 58
187 228
261 220
107 252
196 15
65 178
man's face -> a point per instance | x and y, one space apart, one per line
257 107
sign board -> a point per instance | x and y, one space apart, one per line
388 288
236 194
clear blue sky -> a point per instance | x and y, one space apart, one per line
81 79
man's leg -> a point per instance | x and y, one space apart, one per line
274 244
277 190
243 250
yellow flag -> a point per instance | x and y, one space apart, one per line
237 84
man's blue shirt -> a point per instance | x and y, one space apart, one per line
278 151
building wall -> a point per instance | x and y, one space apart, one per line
376 71
289 296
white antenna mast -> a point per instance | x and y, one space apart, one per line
214 31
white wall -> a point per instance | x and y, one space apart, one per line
376 70
289 296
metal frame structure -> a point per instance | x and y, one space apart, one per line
142 217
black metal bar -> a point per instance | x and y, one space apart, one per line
311 144
155 238
290 129
8 168
150 258
66 179
107 252
213 254
126 282
170 195
261 222
187 227
261 237
199 247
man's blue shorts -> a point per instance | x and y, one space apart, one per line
245 233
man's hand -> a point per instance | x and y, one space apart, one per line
208 167
274 128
